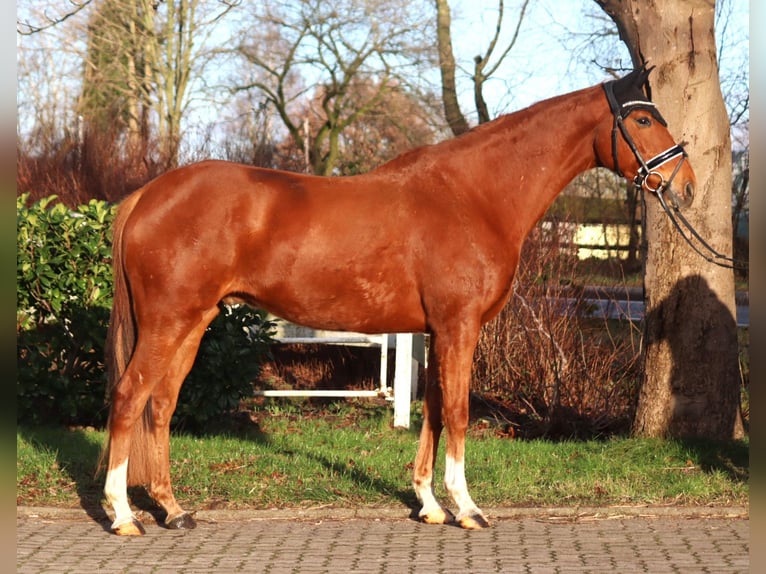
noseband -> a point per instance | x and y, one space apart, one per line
647 169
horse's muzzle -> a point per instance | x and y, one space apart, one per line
687 196
679 197
680 192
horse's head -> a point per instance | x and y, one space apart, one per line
639 146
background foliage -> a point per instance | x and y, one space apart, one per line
548 360
64 287
113 93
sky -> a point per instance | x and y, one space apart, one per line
539 66
553 35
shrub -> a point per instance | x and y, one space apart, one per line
229 360
96 166
562 375
63 298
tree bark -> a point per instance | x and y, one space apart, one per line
691 385
452 113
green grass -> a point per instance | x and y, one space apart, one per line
349 458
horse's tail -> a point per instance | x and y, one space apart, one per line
119 348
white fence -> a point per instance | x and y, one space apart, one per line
409 352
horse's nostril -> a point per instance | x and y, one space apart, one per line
689 191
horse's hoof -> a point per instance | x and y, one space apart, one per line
474 522
132 528
181 522
438 516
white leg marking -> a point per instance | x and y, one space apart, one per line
454 482
116 491
425 494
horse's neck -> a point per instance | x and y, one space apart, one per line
557 142
528 157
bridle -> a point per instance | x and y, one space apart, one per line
648 169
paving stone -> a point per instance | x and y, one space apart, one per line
51 543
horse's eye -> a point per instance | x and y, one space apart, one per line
644 122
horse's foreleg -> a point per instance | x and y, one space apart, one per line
431 511
469 516
456 358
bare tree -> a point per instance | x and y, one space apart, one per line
26 26
48 58
455 118
733 56
331 45
398 122
691 383
248 137
485 65
116 88
177 53
139 59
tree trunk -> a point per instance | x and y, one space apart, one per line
452 113
691 385
478 89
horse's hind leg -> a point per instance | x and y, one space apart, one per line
156 359
129 399
164 399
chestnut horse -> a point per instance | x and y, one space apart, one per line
428 242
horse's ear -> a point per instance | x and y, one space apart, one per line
641 79
634 86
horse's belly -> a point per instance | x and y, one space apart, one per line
352 305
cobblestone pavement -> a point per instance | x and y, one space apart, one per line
337 542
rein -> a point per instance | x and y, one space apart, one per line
712 256
647 169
